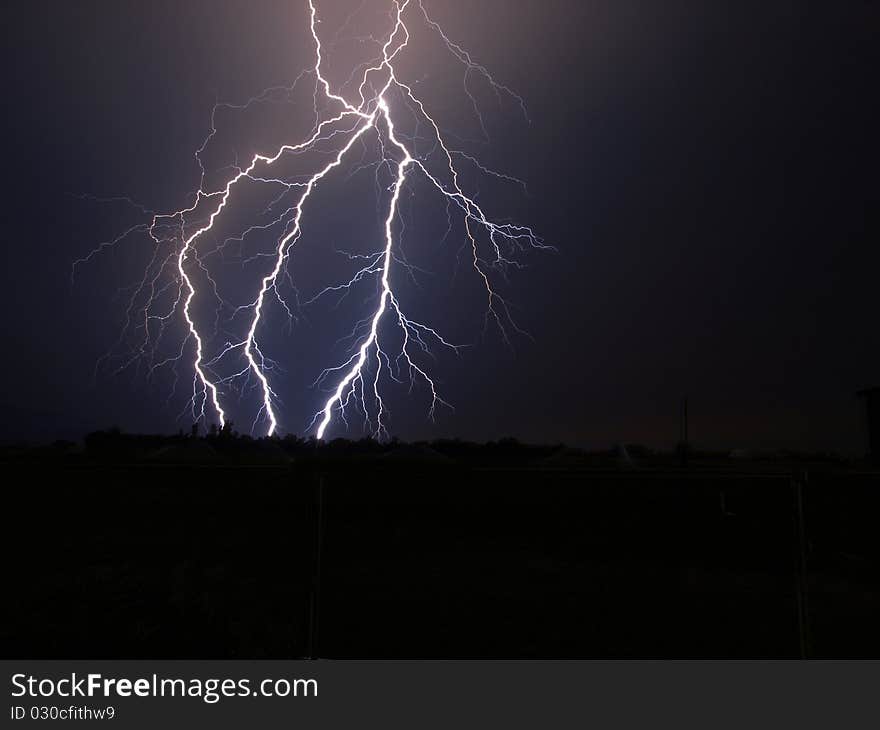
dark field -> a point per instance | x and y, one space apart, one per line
116 560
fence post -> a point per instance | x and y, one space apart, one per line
315 595
801 575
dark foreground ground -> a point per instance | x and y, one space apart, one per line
423 557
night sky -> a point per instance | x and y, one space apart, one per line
707 171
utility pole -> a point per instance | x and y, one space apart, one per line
683 445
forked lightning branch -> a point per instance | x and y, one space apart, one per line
377 95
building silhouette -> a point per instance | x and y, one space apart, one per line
870 410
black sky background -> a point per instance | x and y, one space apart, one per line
708 171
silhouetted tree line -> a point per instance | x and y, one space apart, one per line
227 446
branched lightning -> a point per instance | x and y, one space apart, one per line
179 261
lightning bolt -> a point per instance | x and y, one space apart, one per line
369 111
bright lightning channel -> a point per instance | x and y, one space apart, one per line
370 111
